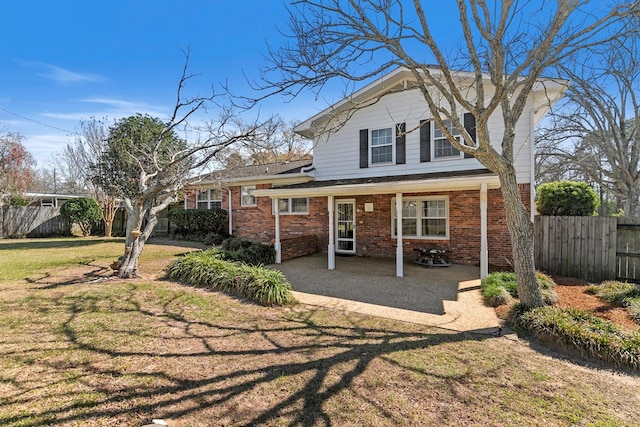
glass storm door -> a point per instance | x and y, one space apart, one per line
345 226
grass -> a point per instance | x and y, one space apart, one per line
125 352
211 270
501 288
581 332
622 294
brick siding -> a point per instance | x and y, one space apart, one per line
373 229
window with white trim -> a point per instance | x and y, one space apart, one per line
381 146
292 206
442 148
209 199
423 217
246 195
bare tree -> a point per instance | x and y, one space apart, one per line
278 143
77 164
505 48
146 163
595 134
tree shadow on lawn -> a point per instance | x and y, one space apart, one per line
55 242
158 361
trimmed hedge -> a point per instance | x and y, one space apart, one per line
196 224
580 331
208 270
566 198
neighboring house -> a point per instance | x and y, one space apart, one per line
377 188
54 200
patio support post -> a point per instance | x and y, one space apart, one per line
276 245
484 250
230 213
399 250
331 250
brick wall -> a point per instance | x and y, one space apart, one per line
297 246
257 223
373 229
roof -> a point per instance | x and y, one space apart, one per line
270 171
415 183
389 179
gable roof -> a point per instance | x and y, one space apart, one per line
402 79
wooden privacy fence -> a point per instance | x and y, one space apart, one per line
32 221
588 248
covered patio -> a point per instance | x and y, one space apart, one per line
440 296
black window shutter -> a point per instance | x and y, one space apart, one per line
401 143
425 141
364 148
470 126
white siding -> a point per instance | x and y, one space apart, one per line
339 157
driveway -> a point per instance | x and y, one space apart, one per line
438 296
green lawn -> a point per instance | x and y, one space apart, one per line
77 350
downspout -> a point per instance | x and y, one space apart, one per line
306 169
229 212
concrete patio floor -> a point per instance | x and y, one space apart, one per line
447 297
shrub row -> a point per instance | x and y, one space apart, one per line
622 294
501 288
581 331
208 270
198 222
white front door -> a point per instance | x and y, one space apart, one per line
346 226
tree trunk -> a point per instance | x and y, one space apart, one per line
631 204
108 227
521 232
134 241
108 214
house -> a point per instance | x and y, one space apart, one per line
55 200
385 181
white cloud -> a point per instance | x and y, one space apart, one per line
44 146
65 76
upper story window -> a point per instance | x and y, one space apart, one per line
442 148
246 195
423 218
293 206
209 199
381 146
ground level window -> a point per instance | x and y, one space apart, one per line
247 198
209 199
293 205
423 218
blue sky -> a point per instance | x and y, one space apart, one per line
65 61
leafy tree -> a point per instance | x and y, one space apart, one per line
146 163
511 42
566 198
595 134
16 166
82 211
